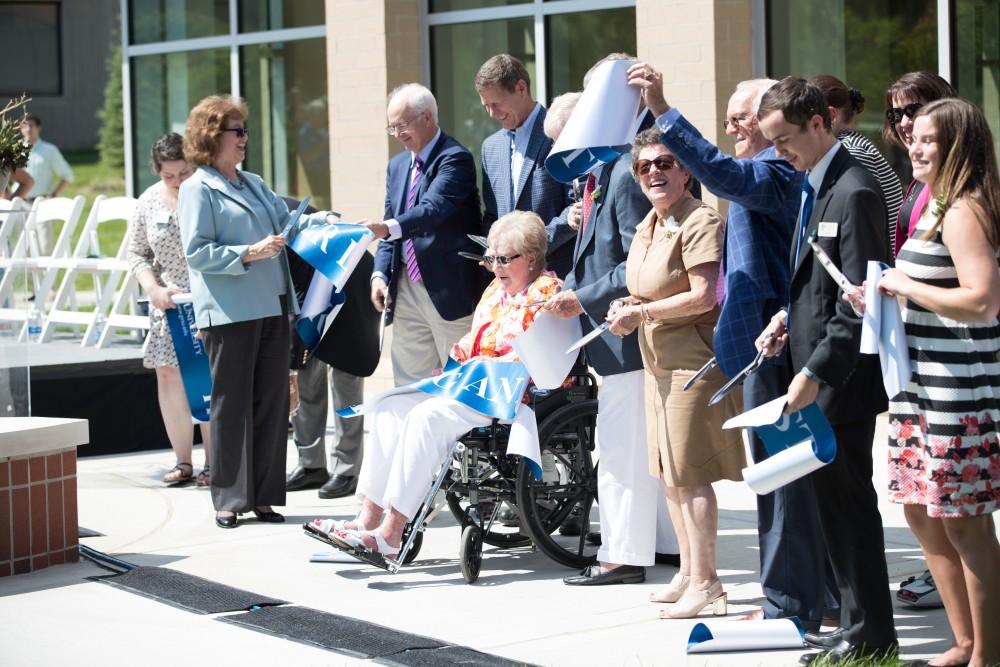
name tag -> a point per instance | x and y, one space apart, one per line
162 217
827 229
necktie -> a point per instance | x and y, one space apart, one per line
409 252
808 199
513 170
588 200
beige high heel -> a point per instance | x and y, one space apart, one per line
694 600
673 591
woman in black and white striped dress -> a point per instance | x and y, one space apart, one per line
845 105
944 454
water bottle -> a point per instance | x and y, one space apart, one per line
34 324
99 323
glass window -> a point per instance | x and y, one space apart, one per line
569 58
977 57
457 52
454 5
865 43
284 84
164 89
164 20
257 15
29 33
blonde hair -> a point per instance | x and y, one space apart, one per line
525 231
559 112
205 124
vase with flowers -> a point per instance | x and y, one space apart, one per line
14 149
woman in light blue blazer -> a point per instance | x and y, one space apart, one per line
231 225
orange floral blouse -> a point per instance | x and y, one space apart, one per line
500 318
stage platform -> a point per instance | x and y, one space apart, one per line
109 387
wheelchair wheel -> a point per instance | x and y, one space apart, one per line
418 541
504 537
470 553
567 436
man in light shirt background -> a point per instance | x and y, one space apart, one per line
48 168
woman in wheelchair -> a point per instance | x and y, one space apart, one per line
411 433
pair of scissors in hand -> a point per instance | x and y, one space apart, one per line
712 363
750 369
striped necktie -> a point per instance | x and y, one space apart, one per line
409 252
588 200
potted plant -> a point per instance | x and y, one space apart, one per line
14 149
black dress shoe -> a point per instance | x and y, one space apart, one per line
338 486
306 478
667 559
594 538
845 651
269 516
824 639
226 521
592 576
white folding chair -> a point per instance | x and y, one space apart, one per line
13 216
89 259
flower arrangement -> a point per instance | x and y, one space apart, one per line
13 148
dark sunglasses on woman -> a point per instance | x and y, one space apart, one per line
663 163
240 131
895 114
500 260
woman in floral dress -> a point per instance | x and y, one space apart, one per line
156 259
944 453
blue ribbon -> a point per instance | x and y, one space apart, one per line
564 166
809 423
333 250
192 359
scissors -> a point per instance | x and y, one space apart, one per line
712 363
481 240
470 255
751 368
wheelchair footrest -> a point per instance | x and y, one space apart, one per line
372 558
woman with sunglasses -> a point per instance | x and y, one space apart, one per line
411 432
903 100
231 227
671 273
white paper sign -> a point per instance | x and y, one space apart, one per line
542 349
883 333
775 633
786 466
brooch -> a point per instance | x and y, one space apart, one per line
596 194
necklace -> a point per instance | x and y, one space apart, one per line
239 183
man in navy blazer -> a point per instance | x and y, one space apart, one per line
431 206
514 175
764 193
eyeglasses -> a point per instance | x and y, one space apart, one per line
663 163
394 130
500 260
895 115
733 121
239 131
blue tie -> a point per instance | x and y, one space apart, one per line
510 157
808 199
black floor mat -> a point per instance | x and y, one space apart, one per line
187 591
449 655
352 636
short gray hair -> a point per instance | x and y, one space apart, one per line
559 112
754 89
611 56
525 231
415 97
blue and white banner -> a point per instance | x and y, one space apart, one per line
761 635
796 443
320 308
601 127
191 357
333 250
882 333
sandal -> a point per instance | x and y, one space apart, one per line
204 477
352 539
180 474
919 591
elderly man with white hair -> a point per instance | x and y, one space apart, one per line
765 195
431 205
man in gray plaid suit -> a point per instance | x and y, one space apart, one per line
514 174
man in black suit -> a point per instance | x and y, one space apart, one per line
842 206
431 205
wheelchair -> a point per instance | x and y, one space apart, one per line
479 477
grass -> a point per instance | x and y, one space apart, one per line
892 660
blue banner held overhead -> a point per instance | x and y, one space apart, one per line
191 357
333 250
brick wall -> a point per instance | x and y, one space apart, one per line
38 515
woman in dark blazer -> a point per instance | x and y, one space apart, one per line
231 225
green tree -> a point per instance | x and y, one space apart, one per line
111 144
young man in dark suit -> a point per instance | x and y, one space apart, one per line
843 207
514 174
431 206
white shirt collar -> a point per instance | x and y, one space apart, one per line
817 173
523 132
425 152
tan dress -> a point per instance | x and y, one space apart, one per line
686 442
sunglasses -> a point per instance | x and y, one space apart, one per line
663 163
239 131
895 115
500 260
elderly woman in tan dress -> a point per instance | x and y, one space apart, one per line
672 270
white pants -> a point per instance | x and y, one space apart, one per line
410 436
628 493
421 338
